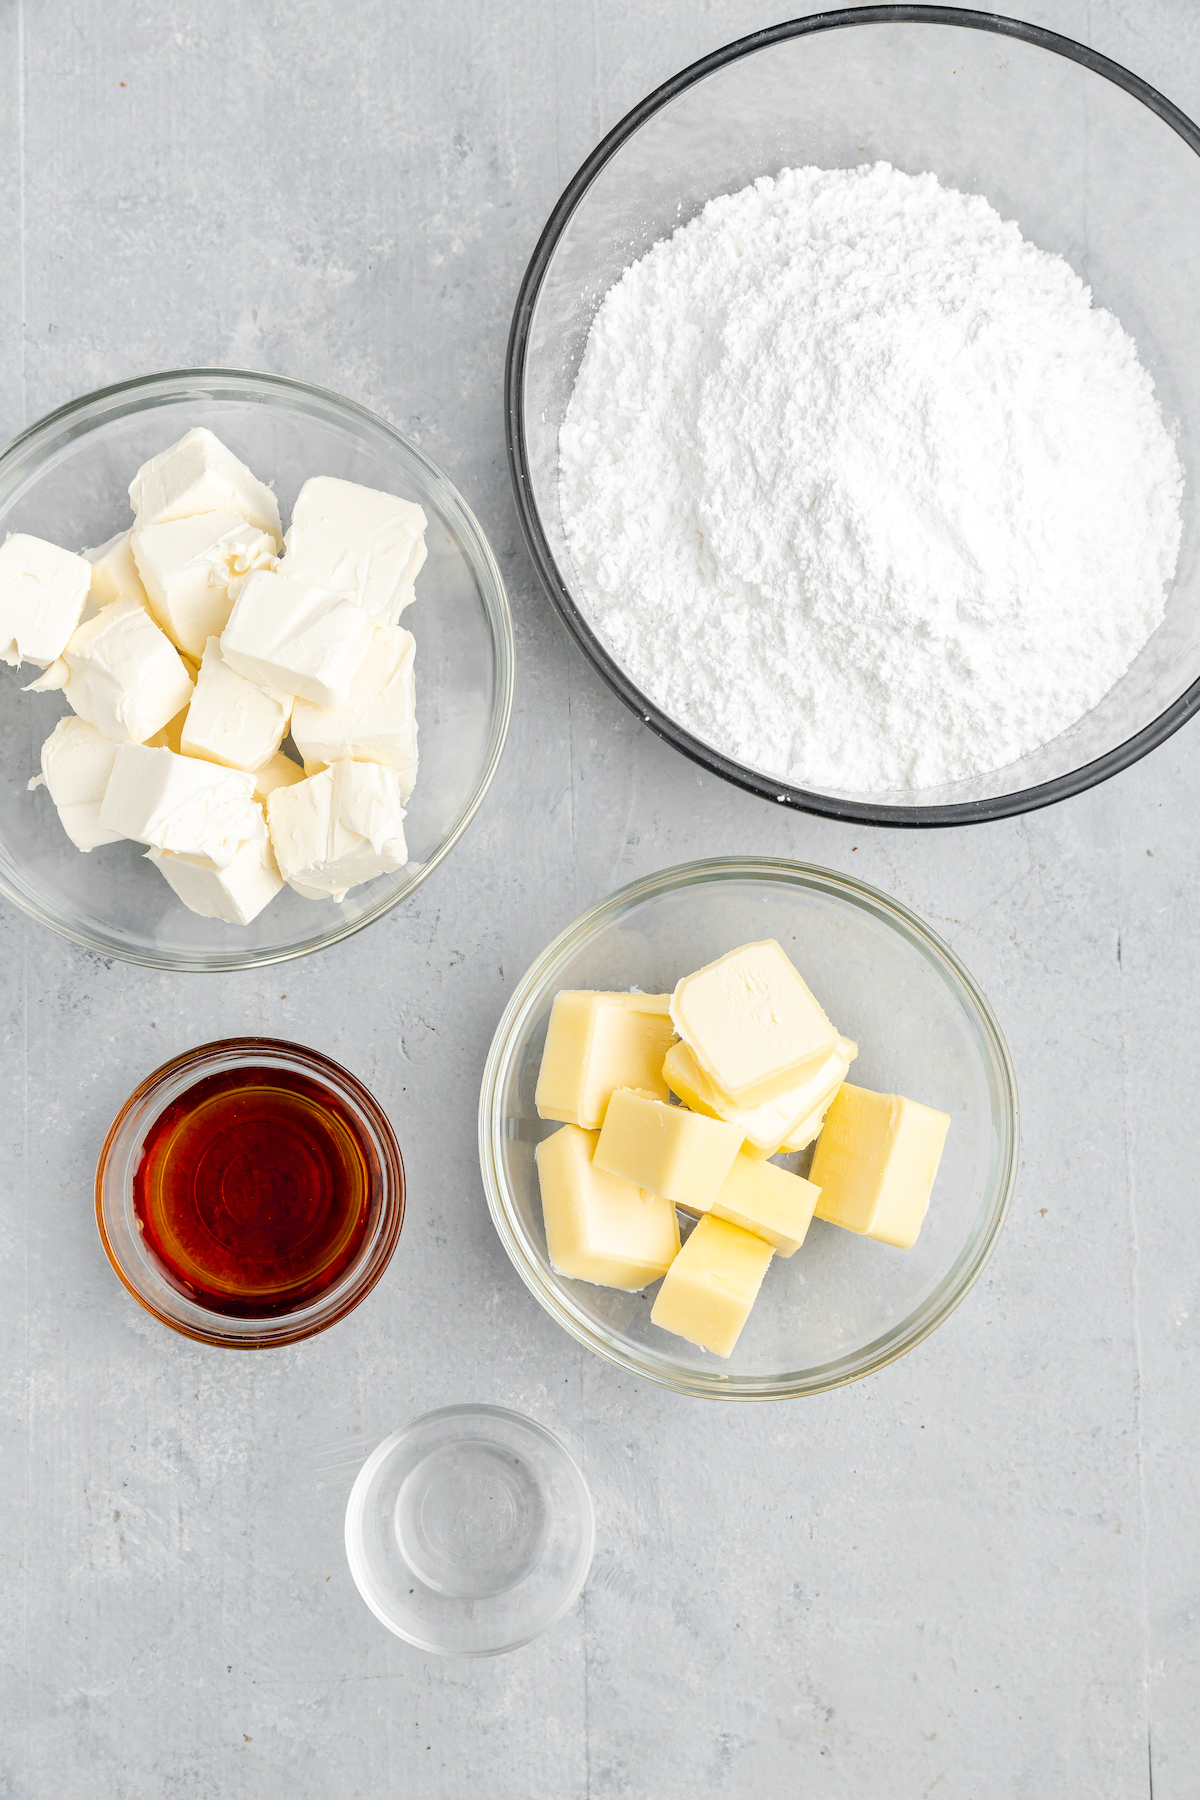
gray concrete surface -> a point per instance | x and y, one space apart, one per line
975 1575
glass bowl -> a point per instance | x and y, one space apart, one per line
66 478
1092 164
470 1532
122 1237
842 1306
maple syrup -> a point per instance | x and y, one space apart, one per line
256 1191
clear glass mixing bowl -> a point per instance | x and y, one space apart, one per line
1092 164
842 1306
66 479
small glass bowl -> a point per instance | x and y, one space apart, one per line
842 1306
122 1238
471 1531
65 479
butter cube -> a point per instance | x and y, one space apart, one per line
42 595
751 1023
278 771
596 1042
763 1198
711 1285
875 1164
193 570
114 575
357 541
598 1227
124 675
767 1126
236 893
307 641
376 722
179 803
337 829
680 1155
199 475
77 762
232 720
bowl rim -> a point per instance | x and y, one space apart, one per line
831 806
497 610
113 1199
703 1382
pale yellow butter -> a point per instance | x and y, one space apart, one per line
598 1227
774 1123
712 1284
681 1155
596 1042
751 1023
768 1200
875 1164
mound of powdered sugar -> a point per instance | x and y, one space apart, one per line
861 488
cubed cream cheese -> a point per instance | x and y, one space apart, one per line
124 673
236 893
711 1286
278 771
42 594
376 722
77 762
232 720
681 1155
193 570
598 1227
114 575
597 1042
772 1124
337 829
751 1023
199 475
359 541
305 640
182 804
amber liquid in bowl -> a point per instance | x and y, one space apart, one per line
256 1191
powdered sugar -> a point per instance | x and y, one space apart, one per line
861 487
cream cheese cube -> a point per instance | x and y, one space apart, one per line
179 803
305 640
232 720
124 674
193 570
42 594
376 722
278 771
114 575
77 761
236 893
337 829
357 541
199 475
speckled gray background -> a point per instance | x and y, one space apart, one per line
974 1575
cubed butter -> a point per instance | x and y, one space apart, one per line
680 1155
200 475
305 640
77 762
236 893
766 1199
598 1227
337 829
357 541
179 803
124 674
278 771
712 1284
768 1126
193 570
376 722
232 720
875 1164
42 594
114 575
596 1042
751 1023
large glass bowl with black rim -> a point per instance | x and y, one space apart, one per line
1092 163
